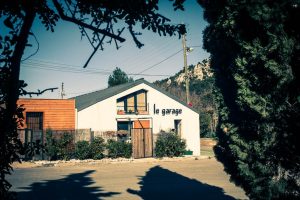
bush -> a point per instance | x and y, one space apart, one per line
33 149
97 148
82 150
209 135
118 149
65 146
51 145
169 145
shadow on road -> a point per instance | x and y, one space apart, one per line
160 183
72 187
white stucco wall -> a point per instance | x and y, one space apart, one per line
102 116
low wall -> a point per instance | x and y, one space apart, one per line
207 143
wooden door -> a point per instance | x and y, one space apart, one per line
148 148
142 143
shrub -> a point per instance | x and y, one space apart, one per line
118 149
97 148
65 146
51 145
33 149
82 150
169 145
208 135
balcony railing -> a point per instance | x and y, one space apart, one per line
133 110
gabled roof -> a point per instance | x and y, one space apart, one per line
86 100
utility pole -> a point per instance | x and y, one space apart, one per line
187 81
62 93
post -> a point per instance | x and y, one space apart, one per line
187 81
62 91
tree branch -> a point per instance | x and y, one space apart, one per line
39 92
95 50
80 23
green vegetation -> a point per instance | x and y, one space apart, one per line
33 149
51 145
169 145
97 148
65 146
82 150
59 148
17 19
118 149
118 77
254 47
202 88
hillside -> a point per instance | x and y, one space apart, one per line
201 93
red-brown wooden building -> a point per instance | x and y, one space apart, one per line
41 114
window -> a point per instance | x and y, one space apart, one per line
141 101
34 120
124 128
124 125
177 126
133 103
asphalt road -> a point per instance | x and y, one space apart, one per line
189 179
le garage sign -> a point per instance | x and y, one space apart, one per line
166 111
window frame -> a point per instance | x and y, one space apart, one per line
135 106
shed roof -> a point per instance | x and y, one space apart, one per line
86 100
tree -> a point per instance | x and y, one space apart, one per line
96 21
202 87
254 50
118 77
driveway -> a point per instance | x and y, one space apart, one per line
187 179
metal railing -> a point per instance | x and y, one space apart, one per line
122 110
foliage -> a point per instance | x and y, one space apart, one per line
82 150
118 77
169 145
202 90
10 145
97 148
254 50
97 21
51 145
118 149
33 149
65 146
206 125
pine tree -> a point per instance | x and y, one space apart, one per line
254 48
118 77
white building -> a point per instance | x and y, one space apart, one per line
139 107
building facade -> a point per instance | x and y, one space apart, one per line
41 114
143 110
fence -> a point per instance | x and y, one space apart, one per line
28 135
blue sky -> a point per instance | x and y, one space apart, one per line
62 54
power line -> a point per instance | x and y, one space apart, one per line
153 54
82 71
50 63
61 67
165 59
160 61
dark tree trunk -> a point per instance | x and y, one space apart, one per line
15 62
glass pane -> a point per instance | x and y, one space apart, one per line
141 101
120 105
130 104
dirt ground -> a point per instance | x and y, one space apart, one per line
187 178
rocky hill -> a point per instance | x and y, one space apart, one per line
201 93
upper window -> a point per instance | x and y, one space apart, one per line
34 120
133 103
